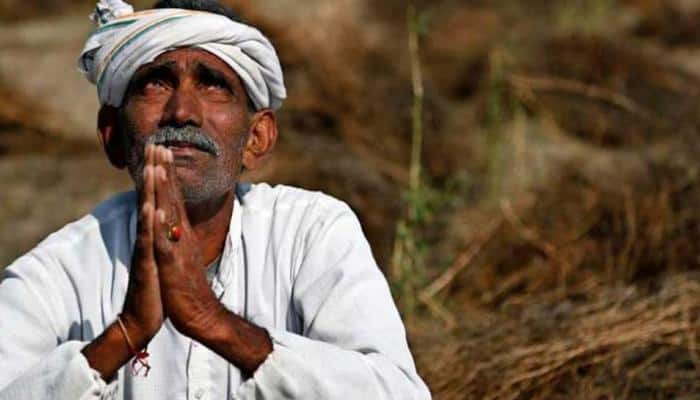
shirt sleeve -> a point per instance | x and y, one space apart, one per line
35 359
354 343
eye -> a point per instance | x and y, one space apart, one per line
157 81
215 83
153 85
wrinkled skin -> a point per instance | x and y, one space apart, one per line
190 87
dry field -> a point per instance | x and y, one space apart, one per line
552 251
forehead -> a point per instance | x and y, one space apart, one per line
187 59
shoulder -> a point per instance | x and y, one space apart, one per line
296 220
63 274
287 201
110 215
87 238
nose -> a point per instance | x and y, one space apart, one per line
183 107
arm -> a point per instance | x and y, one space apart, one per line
35 360
353 344
142 314
187 298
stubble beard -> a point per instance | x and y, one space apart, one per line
215 183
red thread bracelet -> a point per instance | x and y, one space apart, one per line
140 362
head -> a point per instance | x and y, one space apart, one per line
193 102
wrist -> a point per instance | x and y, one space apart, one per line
138 334
240 342
110 351
208 326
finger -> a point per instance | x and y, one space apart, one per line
164 217
174 205
149 176
142 188
176 198
144 238
148 156
149 196
163 198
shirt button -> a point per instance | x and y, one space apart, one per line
199 394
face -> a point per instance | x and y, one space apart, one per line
192 102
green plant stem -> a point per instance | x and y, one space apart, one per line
407 257
418 94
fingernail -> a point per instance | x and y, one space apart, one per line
162 174
147 172
171 158
161 216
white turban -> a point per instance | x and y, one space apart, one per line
125 40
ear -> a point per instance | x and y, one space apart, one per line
262 137
109 133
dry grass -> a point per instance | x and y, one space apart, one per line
620 343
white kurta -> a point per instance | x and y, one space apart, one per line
295 262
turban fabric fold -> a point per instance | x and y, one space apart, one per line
125 40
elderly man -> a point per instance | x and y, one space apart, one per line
196 286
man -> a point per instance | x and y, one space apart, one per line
196 286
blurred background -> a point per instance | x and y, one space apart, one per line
526 171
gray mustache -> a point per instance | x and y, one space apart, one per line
187 134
